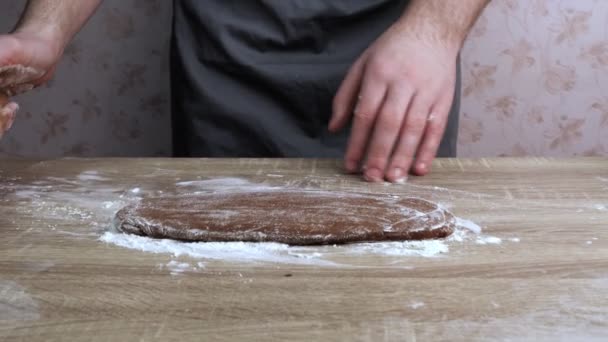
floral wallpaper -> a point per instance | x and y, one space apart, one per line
534 79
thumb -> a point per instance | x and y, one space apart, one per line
9 47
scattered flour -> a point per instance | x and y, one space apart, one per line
299 255
90 205
221 183
284 254
224 251
89 176
425 248
176 267
417 305
109 204
488 240
468 225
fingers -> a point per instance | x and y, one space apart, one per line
19 89
386 132
411 134
433 134
17 75
346 97
7 116
371 97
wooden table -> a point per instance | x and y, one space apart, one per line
59 282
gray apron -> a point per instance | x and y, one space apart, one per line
256 78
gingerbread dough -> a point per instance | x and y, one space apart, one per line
295 217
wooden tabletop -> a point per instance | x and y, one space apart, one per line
547 279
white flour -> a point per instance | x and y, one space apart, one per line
417 305
488 240
466 231
91 176
284 254
177 268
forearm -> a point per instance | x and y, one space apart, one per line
57 20
444 21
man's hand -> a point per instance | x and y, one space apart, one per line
29 55
7 113
401 90
26 61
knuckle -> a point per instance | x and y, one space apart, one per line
390 120
432 142
406 86
365 116
380 69
415 124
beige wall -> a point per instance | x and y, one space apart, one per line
535 75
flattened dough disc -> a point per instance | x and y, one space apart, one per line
295 217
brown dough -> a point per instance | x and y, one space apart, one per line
294 217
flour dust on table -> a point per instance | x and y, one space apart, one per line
89 201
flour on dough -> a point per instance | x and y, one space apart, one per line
295 217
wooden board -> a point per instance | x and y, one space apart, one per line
59 282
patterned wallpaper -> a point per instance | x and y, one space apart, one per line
534 76
110 94
536 80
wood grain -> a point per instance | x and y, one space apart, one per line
58 282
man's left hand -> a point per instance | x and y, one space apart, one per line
400 91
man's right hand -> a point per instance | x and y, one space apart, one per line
27 60
29 55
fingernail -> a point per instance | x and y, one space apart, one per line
401 180
422 166
399 176
373 175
